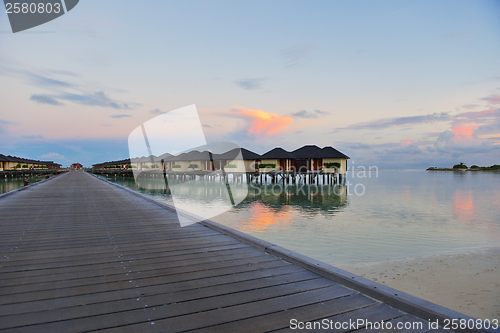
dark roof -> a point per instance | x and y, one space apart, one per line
305 152
164 157
144 159
233 154
329 152
249 155
9 158
125 161
276 153
193 155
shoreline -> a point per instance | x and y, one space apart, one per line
466 282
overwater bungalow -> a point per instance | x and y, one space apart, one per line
19 163
248 161
330 159
190 161
309 158
305 159
114 165
276 159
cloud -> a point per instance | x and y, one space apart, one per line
485 115
357 145
470 106
296 55
53 156
250 84
486 122
405 143
63 72
257 123
97 99
156 111
59 89
6 125
32 137
401 121
207 126
45 99
493 99
43 81
35 79
117 116
310 115
405 147
461 140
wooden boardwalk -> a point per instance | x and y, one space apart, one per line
81 255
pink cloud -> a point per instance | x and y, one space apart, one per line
405 143
259 123
493 99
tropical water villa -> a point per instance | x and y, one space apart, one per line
307 159
8 163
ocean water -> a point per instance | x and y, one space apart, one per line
374 217
9 184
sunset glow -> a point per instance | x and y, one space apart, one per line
406 142
265 123
463 205
263 218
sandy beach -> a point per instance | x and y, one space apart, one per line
468 283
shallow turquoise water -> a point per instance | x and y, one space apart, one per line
390 215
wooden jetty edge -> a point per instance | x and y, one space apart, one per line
80 255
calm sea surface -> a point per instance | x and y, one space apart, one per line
9 184
392 215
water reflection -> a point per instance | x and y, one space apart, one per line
9 184
266 204
463 207
276 206
262 217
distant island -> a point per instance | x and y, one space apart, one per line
463 167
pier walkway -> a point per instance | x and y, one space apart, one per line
79 255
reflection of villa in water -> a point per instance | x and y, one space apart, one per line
310 198
308 159
320 199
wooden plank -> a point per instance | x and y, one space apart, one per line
69 272
181 274
157 300
224 315
261 271
282 319
128 272
144 312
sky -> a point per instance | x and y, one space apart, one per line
392 84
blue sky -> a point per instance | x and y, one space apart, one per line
397 84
